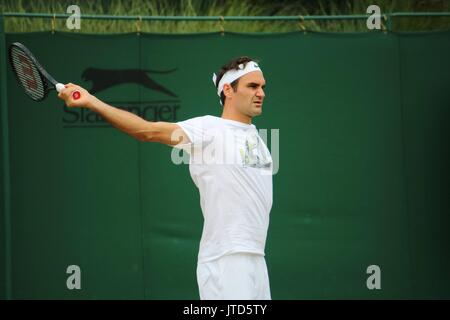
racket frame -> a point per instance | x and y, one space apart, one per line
48 81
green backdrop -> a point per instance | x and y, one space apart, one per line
363 171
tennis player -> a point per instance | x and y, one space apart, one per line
232 168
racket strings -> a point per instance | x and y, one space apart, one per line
27 74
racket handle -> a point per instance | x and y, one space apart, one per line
59 87
75 95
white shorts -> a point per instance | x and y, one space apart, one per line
236 276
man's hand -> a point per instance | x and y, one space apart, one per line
85 101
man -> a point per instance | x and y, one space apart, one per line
232 168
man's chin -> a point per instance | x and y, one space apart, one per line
257 112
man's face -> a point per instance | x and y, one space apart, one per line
249 95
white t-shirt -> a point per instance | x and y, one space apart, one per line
232 168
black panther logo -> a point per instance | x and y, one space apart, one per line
103 79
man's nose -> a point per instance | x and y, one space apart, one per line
260 93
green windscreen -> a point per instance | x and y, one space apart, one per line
362 177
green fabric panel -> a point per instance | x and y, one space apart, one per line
75 191
353 186
339 195
3 167
425 85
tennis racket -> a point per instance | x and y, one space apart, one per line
31 75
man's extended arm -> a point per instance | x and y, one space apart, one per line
125 121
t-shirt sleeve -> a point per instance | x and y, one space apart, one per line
195 130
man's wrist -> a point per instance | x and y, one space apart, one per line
93 103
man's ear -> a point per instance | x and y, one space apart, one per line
227 90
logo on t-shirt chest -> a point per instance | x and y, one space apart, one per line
254 153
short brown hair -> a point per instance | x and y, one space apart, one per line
233 64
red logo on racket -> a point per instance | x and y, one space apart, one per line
27 69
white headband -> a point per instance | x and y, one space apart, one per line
232 75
